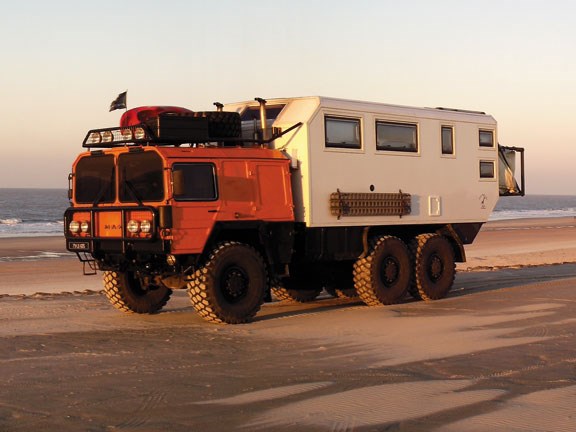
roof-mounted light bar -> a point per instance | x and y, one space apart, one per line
112 137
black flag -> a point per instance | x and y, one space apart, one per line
119 102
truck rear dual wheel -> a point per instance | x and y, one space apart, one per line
340 280
294 295
342 292
127 292
231 285
433 266
303 285
383 276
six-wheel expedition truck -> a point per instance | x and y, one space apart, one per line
284 197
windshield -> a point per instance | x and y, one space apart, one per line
140 177
94 180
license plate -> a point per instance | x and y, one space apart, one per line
78 245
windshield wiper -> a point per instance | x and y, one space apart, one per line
133 191
103 189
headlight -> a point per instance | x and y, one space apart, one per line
133 226
145 226
74 227
84 227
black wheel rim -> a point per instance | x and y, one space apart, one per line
435 268
234 284
390 271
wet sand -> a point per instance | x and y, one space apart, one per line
497 354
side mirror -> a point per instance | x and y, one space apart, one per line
70 177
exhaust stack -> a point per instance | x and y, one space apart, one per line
263 121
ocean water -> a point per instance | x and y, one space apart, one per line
39 212
32 212
535 206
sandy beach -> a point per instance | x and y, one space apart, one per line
497 354
42 264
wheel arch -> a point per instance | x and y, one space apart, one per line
273 240
457 245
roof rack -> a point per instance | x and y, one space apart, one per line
143 134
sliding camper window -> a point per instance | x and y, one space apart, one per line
342 132
401 137
486 138
447 140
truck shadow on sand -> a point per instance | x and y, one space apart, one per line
472 282
466 284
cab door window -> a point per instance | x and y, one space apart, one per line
194 182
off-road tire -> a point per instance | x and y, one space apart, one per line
433 266
346 293
231 285
341 292
340 280
124 290
222 124
383 276
284 294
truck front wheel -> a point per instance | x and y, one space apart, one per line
127 292
434 267
231 285
383 276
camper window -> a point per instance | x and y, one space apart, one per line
447 140
486 138
342 132
487 169
396 136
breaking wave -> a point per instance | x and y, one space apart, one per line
10 221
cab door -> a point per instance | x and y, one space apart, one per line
195 206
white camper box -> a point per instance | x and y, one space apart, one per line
445 159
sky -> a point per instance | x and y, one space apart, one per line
63 62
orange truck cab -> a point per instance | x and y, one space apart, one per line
148 210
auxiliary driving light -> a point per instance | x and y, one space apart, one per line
145 226
84 227
74 227
126 134
170 260
139 133
107 136
133 226
94 138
